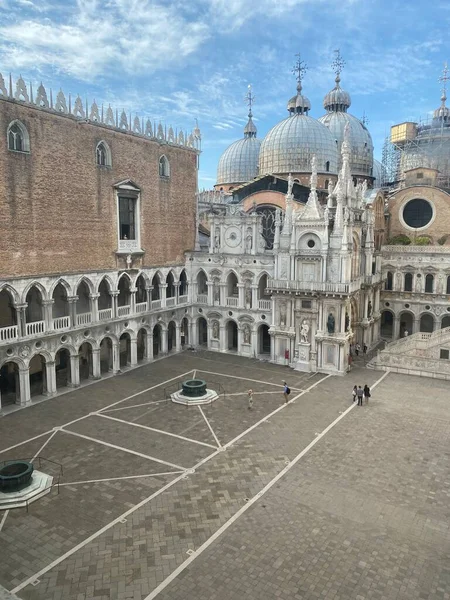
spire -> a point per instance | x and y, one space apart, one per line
337 100
443 112
299 104
250 128
312 210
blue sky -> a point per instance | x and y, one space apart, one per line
175 61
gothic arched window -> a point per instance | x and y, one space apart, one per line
164 167
408 282
103 155
429 284
389 280
18 138
268 224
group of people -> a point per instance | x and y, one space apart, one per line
356 349
359 393
286 392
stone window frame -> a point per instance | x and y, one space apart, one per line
108 155
416 229
25 137
129 190
164 167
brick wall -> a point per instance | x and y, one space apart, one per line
58 208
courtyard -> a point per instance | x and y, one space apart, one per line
315 499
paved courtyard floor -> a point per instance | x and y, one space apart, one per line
317 499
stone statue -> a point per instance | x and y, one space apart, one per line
246 334
290 184
304 331
249 241
215 330
330 323
347 321
326 215
369 310
439 286
283 313
216 291
418 284
129 260
217 240
248 296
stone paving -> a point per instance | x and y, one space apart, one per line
363 514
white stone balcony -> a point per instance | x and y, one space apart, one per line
232 301
141 307
314 286
171 301
61 323
128 245
35 328
105 314
8 333
264 304
182 299
84 318
156 303
123 311
202 298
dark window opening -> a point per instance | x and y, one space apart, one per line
127 218
417 213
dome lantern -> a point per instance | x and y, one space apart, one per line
443 112
337 100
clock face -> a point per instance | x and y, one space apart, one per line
233 236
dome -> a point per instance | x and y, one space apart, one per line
337 99
361 155
291 144
239 162
378 173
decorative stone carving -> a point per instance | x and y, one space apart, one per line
123 123
148 129
331 323
248 295
304 331
160 134
171 137
61 104
283 309
248 240
110 117
21 90
217 240
283 268
137 125
94 114
78 109
3 91
369 310
181 138
24 351
247 334
41 97
216 290
215 330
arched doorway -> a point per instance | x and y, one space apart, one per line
125 349
264 339
156 291
34 313
141 295
62 366
124 297
60 309
104 301
170 289
8 318
427 323
86 361
83 305
232 290
184 331
157 337
142 353
232 336
445 321
106 355
202 287
406 324
387 324
202 331
183 290
171 336
9 384
38 379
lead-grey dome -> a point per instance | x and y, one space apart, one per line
361 154
291 144
378 173
239 162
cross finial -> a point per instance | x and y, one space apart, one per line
364 119
250 99
338 63
299 69
443 79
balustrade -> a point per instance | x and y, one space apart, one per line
156 303
8 333
264 304
170 301
36 327
61 323
141 307
182 299
232 301
105 314
84 318
202 298
123 311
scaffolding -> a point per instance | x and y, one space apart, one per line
390 161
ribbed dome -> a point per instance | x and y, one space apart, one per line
361 156
290 146
443 112
378 173
337 99
239 162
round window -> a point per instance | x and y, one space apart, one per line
417 213
311 243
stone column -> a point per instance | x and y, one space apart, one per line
223 339
149 347
342 317
94 306
164 340
74 371
416 325
272 347
254 342
241 294
396 329
177 291
50 374
193 333
72 300
47 313
210 286
96 369
223 294
133 352
24 385
149 290
133 300
255 298
163 291
21 320
114 294
116 357
178 338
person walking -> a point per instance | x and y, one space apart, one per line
366 393
354 392
357 349
250 399
360 394
365 349
286 392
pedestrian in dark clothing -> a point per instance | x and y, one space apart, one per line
365 349
360 394
357 349
354 392
366 393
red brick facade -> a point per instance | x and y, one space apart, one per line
58 208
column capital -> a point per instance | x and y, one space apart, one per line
72 299
50 363
94 296
21 306
48 302
133 290
114 293
163 285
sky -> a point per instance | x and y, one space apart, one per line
177 60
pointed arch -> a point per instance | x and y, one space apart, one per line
87 281
164 166
108 281
18 139
144 276
103 155
38 286
5 287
